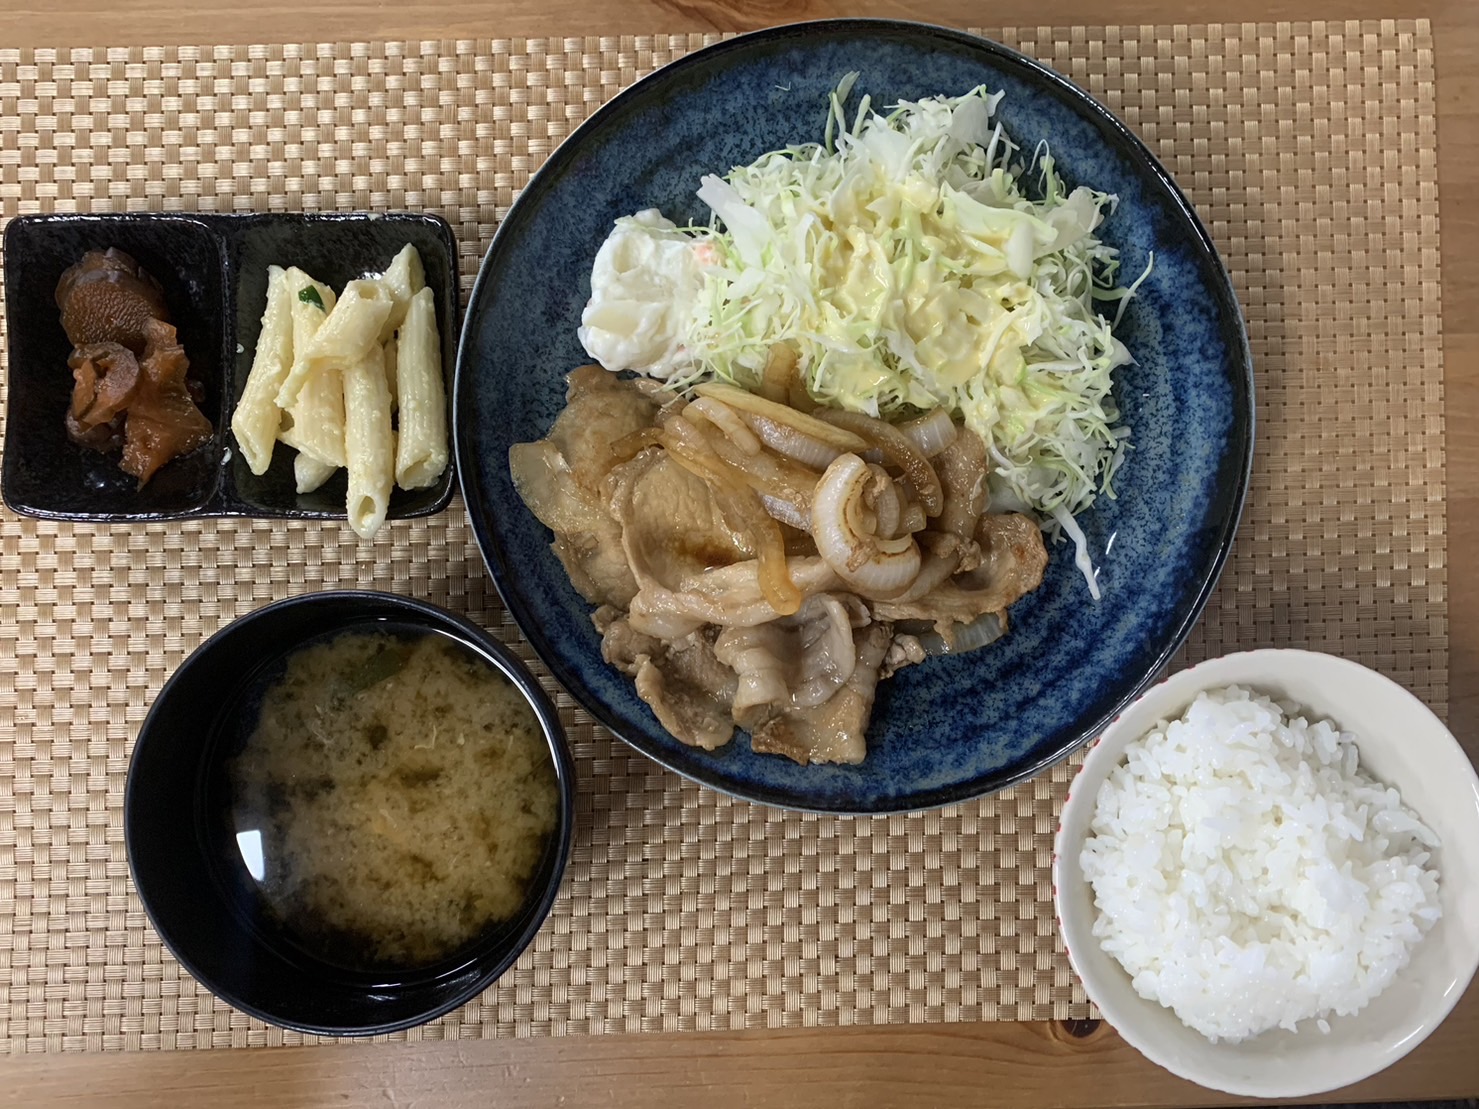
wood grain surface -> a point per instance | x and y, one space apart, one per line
997 1064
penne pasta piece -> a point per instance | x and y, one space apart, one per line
345 335
318 418
369 443
392 352
315 424
421 447
256 419
311 302
310 473
402 279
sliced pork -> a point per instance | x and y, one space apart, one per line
562 478
836 730
741 587
688 688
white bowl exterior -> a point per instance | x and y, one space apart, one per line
1403 744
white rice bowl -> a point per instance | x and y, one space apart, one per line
1249 874
1314 939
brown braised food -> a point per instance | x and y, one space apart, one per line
130 383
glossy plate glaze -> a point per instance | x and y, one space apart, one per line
952 728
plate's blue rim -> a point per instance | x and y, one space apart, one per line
528 621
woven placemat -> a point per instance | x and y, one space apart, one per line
1309 151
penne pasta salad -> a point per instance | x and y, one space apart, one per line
350 381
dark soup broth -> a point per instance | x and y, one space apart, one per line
391 795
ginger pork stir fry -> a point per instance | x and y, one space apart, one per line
759 566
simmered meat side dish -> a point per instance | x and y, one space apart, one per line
763 567
131 389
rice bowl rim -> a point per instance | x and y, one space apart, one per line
1168 699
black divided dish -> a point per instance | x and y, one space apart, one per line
214 272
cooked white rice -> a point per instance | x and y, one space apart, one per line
1249 875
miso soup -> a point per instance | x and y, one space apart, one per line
392 799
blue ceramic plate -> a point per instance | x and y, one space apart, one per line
952 728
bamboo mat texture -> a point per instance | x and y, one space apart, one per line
1308 149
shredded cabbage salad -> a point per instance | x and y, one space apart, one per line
904 261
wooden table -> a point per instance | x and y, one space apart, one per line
1016 1065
